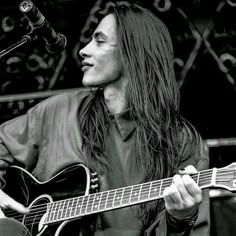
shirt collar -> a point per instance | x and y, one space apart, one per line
125 123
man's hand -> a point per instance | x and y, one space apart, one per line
184 196
6 202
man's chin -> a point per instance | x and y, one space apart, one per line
91 84
87 83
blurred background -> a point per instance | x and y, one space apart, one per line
204 39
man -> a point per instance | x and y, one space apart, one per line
125 126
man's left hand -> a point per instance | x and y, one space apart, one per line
184 196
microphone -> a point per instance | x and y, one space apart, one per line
55 42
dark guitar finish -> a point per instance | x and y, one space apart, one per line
23 187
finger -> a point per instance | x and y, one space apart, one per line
8 202
178 182
173 193
2 214
169 203
188 170
17 206
193 189
188 197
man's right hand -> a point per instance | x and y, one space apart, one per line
6 202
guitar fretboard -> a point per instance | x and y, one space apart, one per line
118 198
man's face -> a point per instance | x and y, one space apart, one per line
101 65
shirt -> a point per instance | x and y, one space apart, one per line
48 139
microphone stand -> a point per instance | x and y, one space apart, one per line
26 39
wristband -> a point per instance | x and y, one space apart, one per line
181 225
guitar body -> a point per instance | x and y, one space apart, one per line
71 182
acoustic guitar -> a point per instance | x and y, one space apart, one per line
67 195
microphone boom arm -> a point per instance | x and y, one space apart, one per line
26 39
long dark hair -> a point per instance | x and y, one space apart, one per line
145 49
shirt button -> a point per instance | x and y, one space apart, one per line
99 227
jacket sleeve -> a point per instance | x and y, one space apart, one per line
161 226
18 141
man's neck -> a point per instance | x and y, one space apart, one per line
115 97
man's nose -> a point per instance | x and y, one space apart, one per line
84 52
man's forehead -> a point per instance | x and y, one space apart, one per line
106 27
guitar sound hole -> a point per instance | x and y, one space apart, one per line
33 219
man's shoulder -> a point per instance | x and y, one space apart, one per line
193 148
77 94
67 98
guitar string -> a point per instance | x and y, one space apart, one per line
147 187
73 206
65 215
143 193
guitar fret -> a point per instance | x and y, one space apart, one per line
78 206
90 203
150 190
155 189
165 183
60 211
69 208
158 188
56 211
198 176
211 177
65 209
93 202
49 205
84 204
53 212
113 198
110 198
135 193
99 204
160 194
103 201
118 197
145 191
96 202
73 208
126 195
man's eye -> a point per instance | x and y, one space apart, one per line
99 41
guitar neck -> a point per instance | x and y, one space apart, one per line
118 198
